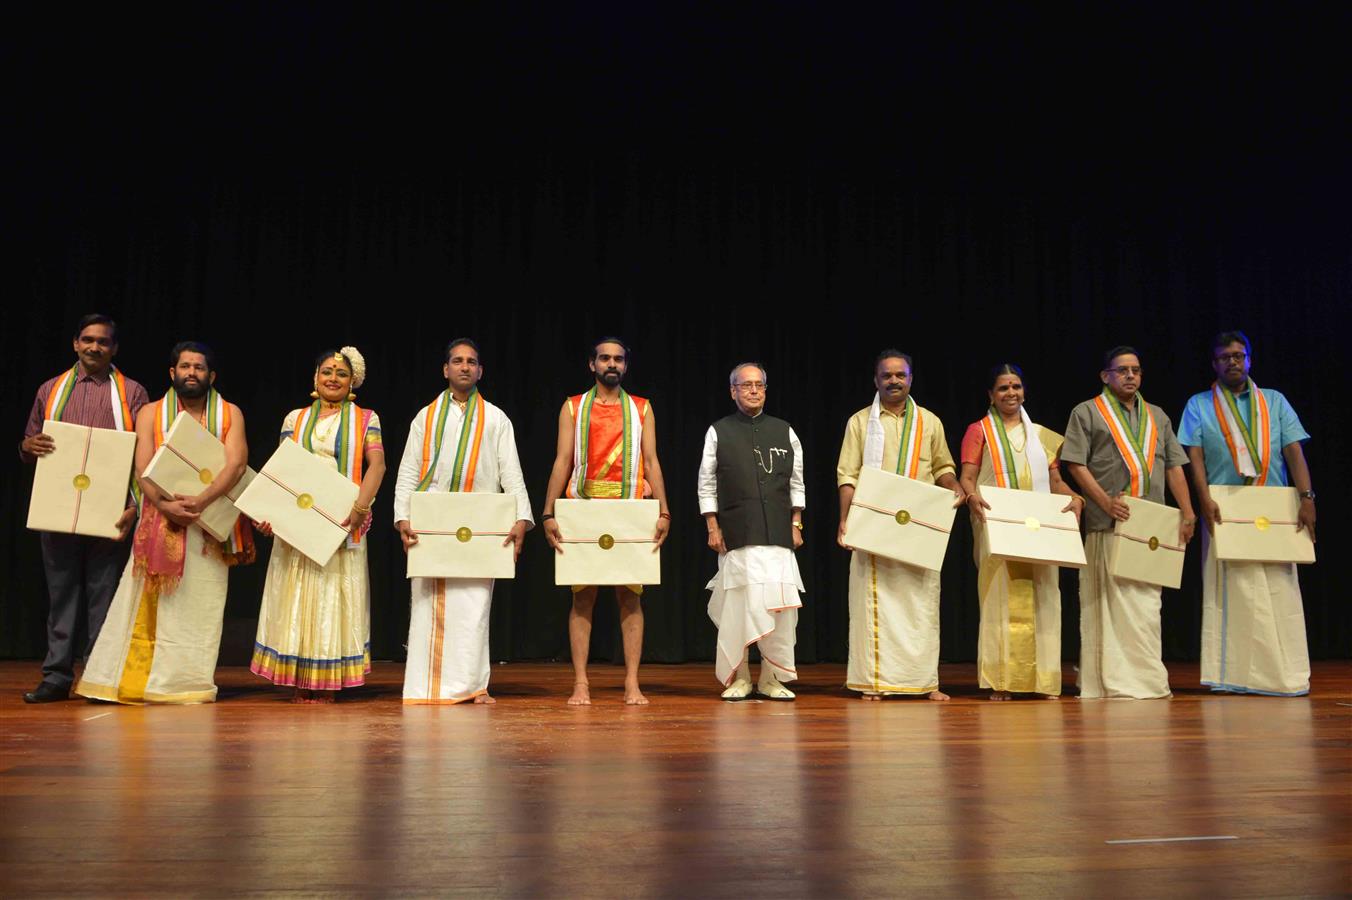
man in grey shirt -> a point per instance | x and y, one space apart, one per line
1118 444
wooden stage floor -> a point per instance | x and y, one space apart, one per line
689 797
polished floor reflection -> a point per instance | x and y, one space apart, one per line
689 797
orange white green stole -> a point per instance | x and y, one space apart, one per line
1137 447
629 451
349 442
117 384
1250 445
1001 452
912 437
467 446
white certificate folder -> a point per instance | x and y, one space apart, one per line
303 498
460 535
607 542
81 487
186 463
1029 526
900 518
1258 524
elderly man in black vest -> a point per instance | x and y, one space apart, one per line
751 495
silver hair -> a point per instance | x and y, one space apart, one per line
732 376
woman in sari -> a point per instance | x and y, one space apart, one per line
314 624
1019 643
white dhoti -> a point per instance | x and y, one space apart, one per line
894 627
1019 642
161 647
1120 651
1253 627
755 601
448 659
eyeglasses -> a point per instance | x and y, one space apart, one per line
748 386
1124 371
1231 357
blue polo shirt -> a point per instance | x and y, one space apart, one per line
1200 428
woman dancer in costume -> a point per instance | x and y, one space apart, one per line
1019 644
314 626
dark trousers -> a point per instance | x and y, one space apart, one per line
82 576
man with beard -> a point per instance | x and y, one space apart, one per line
894 608
81 570
1253 623
1118 444
458 442
153 652
607 449
752 497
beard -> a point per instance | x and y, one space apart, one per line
610 379
191 391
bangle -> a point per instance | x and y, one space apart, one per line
546 516
798 525
361 509
664 515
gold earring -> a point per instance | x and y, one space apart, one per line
351 397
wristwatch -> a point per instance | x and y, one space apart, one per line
1307 495
798 525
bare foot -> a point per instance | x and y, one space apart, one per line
938 695
868 696
1000 695
1051 696
484 698
581 695
634 697
302 696
324 696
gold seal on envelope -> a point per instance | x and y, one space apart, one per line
903 517
81 482
463 534
605 542
305 501
1031 523
204 476
1153 543
1262 523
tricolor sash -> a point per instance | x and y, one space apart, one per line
239 547
466 447
628 453
1250 445
1137 448
349 442
1002 452
117 384
912 436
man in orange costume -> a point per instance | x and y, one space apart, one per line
607 448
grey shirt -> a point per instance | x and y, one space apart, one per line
1089 443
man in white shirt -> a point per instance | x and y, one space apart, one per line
752 498
459 442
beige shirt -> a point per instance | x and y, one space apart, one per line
935 458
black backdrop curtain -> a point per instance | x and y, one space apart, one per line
764 183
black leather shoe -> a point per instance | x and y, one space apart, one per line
47 693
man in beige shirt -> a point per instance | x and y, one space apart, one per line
894 608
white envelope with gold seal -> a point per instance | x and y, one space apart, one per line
900 518
303 498
607 542
188 461
1145 547
81 486
1258 524
1028 526
460 535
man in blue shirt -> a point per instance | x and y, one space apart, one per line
1253 624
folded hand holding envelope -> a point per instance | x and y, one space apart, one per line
1258 524
461 535
186 463
900 518
1145 547
1029 526
607 542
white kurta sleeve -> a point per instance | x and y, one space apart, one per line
409 468
797 489
708 474
509 471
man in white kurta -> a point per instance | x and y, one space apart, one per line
751 496
448 659
894 608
